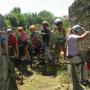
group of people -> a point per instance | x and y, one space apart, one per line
69 44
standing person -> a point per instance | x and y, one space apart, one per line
35 40
20 43
61 36
3 42
24 41
12 42
73 54
46 39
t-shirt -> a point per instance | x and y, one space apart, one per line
12 41
33 34
73 45
23 36
46 35
36 42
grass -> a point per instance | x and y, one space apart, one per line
37 81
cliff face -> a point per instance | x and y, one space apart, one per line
79 13
7 73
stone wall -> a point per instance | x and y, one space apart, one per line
79 13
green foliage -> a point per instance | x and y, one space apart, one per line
13 20
46 15
66 24
16 10
21 19
16 18
27 17
2 21
7 22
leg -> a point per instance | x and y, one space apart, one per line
26 52
58 51
64 50
17 51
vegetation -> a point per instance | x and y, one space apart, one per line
16 18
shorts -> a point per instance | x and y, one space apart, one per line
75 60
25 43
60 42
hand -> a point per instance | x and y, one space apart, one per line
88 32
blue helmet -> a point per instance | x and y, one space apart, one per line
77 28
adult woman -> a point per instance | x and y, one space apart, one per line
73 53
61 36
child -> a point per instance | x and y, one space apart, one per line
73 52
61 35
35 40
24 41
12 42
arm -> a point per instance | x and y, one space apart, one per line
64 33
83 35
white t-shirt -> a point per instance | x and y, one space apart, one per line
73 45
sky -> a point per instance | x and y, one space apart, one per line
57 7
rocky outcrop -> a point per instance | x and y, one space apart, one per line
7 72
79 13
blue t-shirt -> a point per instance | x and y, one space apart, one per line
2 39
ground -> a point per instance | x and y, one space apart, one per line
40 82
36 79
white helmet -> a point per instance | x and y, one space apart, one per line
58 20
77 28
9 30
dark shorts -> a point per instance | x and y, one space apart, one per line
25 43
60 42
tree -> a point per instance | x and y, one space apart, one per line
21 19
28 19
2 21
15 17
19 16
46 15
13 20
16 10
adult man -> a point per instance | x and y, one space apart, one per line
45 32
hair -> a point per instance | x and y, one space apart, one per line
59 23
